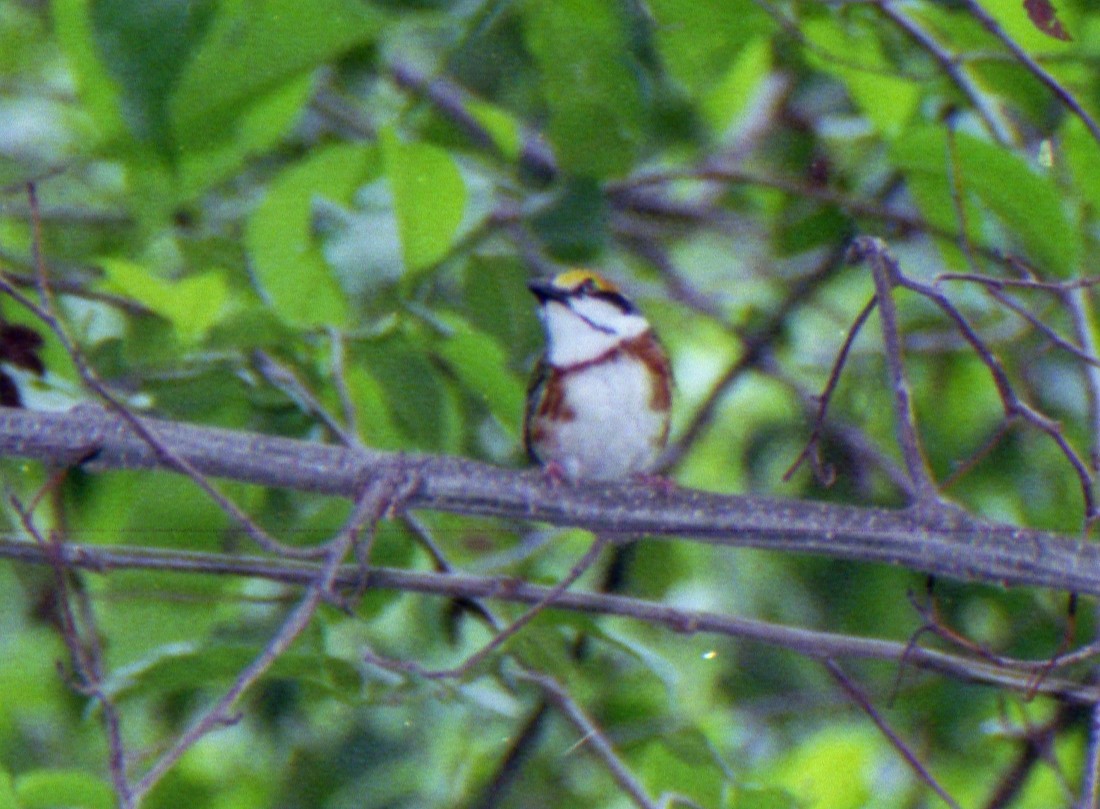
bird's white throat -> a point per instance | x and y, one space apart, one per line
585 329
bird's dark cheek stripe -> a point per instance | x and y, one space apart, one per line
596 326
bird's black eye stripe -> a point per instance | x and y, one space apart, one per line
589 289
616 299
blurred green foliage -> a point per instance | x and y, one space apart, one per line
361 190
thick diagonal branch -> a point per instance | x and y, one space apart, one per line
944 541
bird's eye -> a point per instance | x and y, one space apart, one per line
588 286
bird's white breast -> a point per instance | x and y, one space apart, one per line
615 431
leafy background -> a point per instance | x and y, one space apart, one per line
356 193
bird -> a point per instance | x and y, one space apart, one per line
600 397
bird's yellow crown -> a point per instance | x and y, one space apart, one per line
576 278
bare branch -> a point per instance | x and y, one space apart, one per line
46 312
812 643
884 270
949 543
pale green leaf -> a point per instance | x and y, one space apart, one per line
280 238
252 48
1025 200
501 126
100 93
725 102
8 797
74 789
590 84
699 40
429 198
481 364
193 305
853 54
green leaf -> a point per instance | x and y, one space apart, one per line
501 126
888 100
499 303
481 364
146 46
1012 17
429 198
8 797
832 769
376 423
100 93
279 236
260 125
734 91
31 689
422 407
683 762
574 224
1026 202
590 81
1083 162
754 797
699 40
253 49
193 305
50 789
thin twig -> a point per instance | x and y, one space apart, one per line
853 438
504 634
1038 323
953 166
592 738
966 465
885 271
755 347
454 102
81 637
1038 71
1036 747
826 395
1090 785
368 510
856 694
1083 314
989 113
1014 406
77 289
280 376
1020 283
817 644
337 356
510 769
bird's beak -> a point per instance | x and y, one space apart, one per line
545 292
